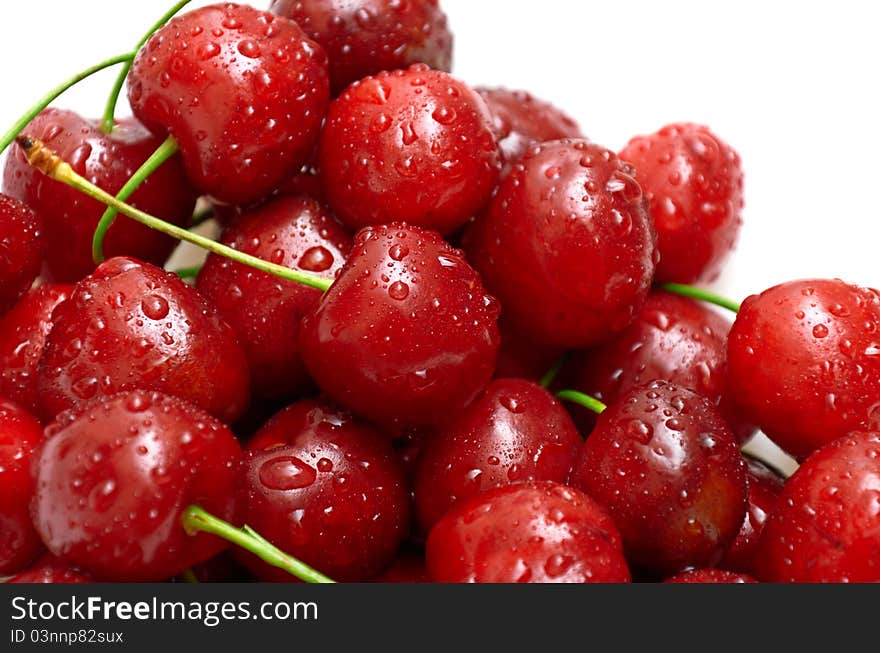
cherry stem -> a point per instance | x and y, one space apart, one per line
702 295
50 164
548 379
196 520
189 273
108 122
588 402
166 150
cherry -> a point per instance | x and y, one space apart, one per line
694 184
19 435
666 466
108 160
406 335
115 475
527 533
21 250
23 332
717 576
325 488
264 310
516 431
803 362
826 525
50 570
406 568
131 325
365 37
242 91
566 245
413 145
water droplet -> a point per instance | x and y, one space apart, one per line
208 50
398 252
511 404
249 49
155 307
398 290
445 115
287 473
820 331
316 259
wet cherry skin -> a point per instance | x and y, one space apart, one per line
527 533
50 570
107 160
666 467
22 249
516 431
131 325
406 335
241 90
365 37
566 245
714 576
264 310
114 476
826 525
327 489
694 184
20 433
415 146
804 362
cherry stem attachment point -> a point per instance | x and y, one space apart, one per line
548 379
196 520
588 402
702 295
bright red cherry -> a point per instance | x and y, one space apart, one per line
714 576
826 525
242 91
115 475
327 489
527 533
566 245
21 250
406 335
694 184
804 362
413 146
516 431
264 310
108 160
131 325
50 570
365 37
666 466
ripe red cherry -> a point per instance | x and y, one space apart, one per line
23 332
327 489
666 466
108 160
566 245
19 435
527 533
804 362
242 91
115 475
694 184
406 335
21 250
715 576
264 310
516 431
365 37
131 325
826 525
413 146
50 570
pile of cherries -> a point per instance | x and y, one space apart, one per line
468 358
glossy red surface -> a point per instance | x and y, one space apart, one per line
50 570
22 249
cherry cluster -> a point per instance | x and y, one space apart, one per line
443 336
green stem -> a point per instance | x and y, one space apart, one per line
702 295
196 520
166 151
189 273
588 402
47 99
109 119
548 379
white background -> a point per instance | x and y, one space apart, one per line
792 86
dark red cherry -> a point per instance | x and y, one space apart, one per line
264 310
131 325
714 576
406 568
527 533
566 245
107 160
666 466
23 332
407 335
50 570
20 434
242 91
22 249
826 525
804 362
516 431
413 146
327 489
365 37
